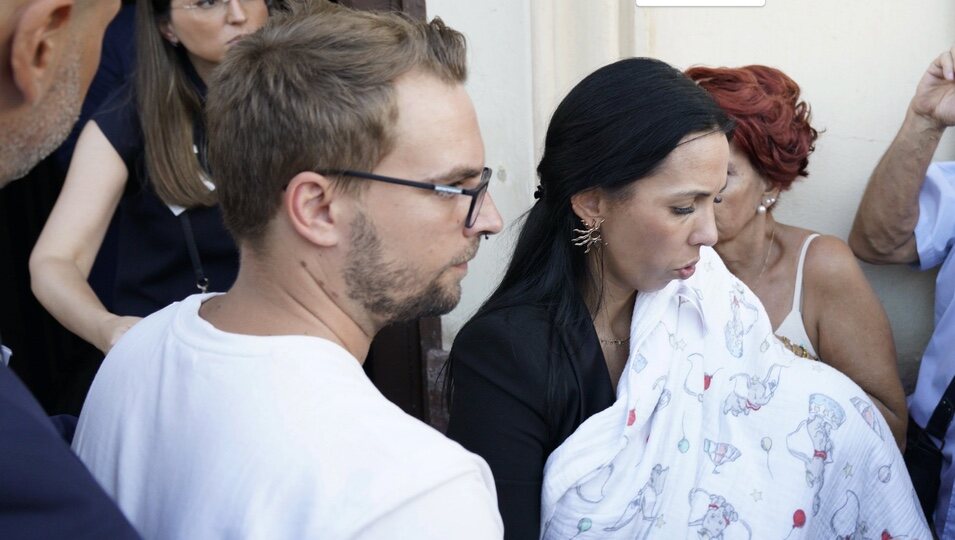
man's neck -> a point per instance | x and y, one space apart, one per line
267 300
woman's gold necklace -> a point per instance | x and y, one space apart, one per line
769 250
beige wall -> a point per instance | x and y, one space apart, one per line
857 60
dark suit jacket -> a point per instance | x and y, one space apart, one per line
513 409
45 491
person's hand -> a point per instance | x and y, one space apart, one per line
935 96
113 328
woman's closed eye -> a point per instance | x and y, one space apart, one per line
683 210
719 196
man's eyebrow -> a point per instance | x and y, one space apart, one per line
457 174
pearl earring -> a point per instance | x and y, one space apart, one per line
767 204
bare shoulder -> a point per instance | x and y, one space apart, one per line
831 265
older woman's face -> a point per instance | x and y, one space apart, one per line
744 193
654 236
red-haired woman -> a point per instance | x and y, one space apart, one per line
818 299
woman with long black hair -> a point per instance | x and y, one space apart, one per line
621 383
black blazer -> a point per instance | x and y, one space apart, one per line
521 386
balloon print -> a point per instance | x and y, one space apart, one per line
799 520
583 526
720 453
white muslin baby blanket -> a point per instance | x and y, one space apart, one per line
720 432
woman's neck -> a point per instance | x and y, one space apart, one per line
611 311
748 253
203 67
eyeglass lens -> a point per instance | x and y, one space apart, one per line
477 200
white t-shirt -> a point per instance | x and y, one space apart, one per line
198 433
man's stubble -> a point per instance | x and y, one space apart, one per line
41 131
392 293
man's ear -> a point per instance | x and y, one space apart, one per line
588 205
40 41
314 208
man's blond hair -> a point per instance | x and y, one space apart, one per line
313 90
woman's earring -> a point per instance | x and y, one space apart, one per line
767 204
589 236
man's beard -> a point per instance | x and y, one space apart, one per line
39 132
389 292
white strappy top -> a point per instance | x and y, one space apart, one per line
792 328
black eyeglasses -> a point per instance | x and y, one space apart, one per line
477 193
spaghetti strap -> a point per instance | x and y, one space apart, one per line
797 293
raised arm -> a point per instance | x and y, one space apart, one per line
63 256
883 231
853 332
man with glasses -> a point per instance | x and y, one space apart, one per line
350 169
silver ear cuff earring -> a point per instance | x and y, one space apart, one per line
589 236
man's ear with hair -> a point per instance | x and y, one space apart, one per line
40 39
315 209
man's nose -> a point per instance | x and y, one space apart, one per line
489 220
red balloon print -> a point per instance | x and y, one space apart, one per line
799 518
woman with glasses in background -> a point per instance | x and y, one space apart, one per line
142 159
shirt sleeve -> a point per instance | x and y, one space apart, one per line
45 491
935 230
461 508
118 119
498 411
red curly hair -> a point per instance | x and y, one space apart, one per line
772 125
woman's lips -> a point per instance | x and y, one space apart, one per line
687 270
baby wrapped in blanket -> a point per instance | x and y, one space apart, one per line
718 431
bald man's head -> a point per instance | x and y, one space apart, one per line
49 50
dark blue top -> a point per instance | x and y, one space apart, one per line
153 267
45 491
116 65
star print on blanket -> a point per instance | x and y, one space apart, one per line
720 432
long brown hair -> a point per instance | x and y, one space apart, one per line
168 108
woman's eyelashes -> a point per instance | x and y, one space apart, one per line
683 210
